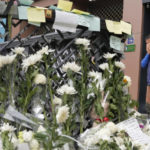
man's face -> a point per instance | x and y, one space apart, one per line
148 45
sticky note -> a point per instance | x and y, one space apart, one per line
113 26
126 27
22 11
26 2
65 5
117 27
36 15
80 12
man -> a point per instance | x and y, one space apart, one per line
146 63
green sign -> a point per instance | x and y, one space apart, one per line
130 48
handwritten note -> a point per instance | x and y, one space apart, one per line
131 126
94 24
22 11
68 24
84 20
36 14
65 5
116 44
126 27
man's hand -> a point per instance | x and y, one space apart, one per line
148 48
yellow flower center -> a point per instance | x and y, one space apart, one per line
125 81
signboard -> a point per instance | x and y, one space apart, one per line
2 31
130 44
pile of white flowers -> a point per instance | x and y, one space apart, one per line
110 133
23 137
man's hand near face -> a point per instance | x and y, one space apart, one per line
148 46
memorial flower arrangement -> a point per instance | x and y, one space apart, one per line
29 98
118 86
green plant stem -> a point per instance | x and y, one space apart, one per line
83 95
10 84
53 114
27 95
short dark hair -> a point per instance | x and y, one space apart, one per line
147 37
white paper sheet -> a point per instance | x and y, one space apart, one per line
23 146
131 126
14 113
65 21
116 44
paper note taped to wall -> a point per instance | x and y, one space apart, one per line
36 14
114 26
68 24
65 5
116 43
92 22
126 27
22 11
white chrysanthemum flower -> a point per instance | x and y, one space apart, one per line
6 60
41 129
104 66
109 55
18 50
112 127
83 41
120 65
96 75
62 114
91 141
27 135
45 50
40 79
104 133
7 127
31 60
34 144
72 66
127 80
66 89
57 101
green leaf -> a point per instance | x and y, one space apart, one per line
112 106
